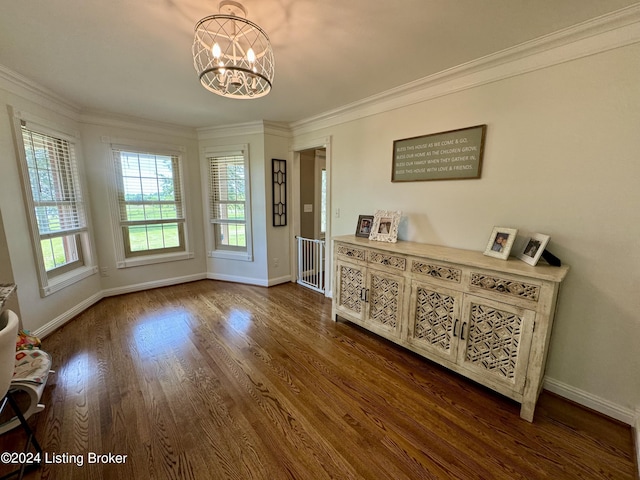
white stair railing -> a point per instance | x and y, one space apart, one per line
311 263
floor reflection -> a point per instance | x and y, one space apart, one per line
163 331
240 321
78 373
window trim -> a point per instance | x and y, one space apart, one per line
242 254
155 256
59 278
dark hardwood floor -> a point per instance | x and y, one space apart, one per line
214 380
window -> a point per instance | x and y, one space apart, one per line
150 205
323 203
229 205
56 208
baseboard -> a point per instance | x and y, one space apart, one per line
110 292
60 320
600 405
260 282
278 280
636 438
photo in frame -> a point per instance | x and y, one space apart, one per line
500 242
363 229
532 247
385 226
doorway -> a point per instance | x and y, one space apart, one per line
312 218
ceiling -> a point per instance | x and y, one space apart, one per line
133 57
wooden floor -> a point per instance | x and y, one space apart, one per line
213 380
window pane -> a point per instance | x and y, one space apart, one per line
323 201
59 251
230 235
154 237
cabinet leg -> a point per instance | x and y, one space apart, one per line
526 411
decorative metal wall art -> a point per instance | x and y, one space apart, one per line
279 172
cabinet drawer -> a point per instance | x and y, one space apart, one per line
347 251
504 286
435 270
391 261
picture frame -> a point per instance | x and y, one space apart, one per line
451 155
385 226
363 228
500 242
532 248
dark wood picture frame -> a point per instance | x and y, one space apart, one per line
363 229
451 155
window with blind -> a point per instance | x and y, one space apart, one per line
55 205
150 203
229 205
57 199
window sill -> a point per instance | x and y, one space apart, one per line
59 282
229 255
151 259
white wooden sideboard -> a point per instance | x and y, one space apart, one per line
485 318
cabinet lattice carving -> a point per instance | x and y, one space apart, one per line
487 319
497 284
390 261
437 271
434 318
493 340
384 299
351 288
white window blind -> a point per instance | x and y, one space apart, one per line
55 188
150 201
228 201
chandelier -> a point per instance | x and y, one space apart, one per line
233 56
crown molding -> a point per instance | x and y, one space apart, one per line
104 119
611 31
259 127
21 86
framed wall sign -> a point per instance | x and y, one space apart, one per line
451 155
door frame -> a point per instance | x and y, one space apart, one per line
296 148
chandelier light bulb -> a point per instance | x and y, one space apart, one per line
251 56
216 51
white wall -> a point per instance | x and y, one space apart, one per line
561 158
42 315
265 141
35 311
276 145
97 136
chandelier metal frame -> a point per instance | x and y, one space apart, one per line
232 55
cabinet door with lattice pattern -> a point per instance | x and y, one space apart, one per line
384 295
434 319
349 288
496 340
